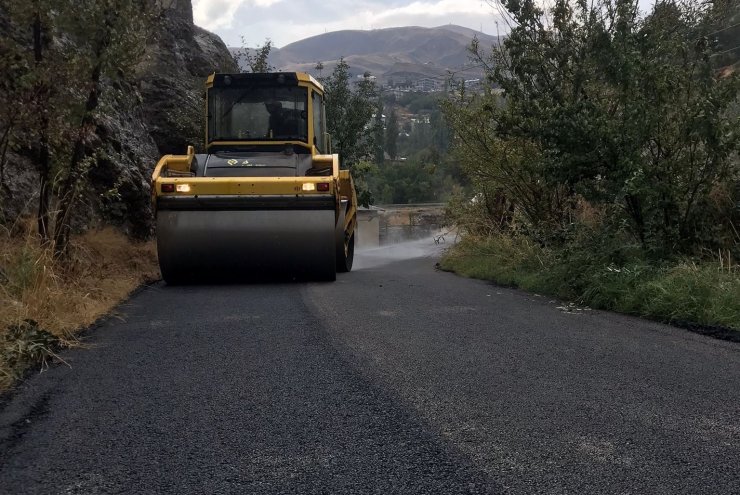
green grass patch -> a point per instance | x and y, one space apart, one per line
681 291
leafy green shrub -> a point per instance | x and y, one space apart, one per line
595 102
504 259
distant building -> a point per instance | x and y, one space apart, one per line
419 120
399 92
427 85
382 118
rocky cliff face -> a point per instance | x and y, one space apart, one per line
172 79
160 110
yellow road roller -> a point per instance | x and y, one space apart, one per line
267 197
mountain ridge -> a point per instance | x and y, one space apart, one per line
407 51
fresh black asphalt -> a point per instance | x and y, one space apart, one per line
397 378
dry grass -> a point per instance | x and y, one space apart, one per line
46 301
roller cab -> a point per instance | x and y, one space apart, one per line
267 198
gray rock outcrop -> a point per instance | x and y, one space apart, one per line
173 76
157 111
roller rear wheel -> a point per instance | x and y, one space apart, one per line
347 256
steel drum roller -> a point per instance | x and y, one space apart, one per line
244 244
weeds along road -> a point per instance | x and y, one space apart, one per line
395 379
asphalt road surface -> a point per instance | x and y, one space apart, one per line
395 379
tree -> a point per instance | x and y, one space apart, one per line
349 122
257 59
391 135
78 48
378 130
349 113
601 105
439 130
726 28
110 51
501 168
27 91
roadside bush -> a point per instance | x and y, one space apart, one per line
25 269
25 345
690 292
513 261
672 291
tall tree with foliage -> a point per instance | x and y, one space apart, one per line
257 59
391 135
349 113
28 93
78 49
378 128
599 104
110 51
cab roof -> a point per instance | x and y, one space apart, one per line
266 78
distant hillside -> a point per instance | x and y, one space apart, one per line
405 52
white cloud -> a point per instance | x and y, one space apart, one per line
437 9
216 14
287 21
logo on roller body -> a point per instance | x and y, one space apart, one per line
234 161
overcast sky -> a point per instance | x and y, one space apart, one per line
285 21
